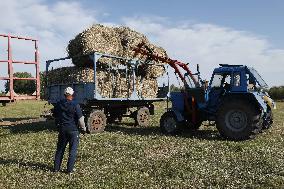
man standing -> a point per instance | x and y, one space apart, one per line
68 116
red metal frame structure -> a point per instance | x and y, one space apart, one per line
11 97
173 63
146 51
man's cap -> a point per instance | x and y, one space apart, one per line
68 91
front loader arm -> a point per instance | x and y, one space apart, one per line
146 51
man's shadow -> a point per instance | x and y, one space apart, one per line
26 164
129 129
33 126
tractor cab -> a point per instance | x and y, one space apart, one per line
232 79
236 78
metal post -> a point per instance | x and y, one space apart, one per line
134 79
10 69
46 79
112 79
37 71
95 76
169 88
126 78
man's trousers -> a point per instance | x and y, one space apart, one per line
64 137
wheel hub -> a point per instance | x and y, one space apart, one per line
97 122
143 117
170 124
236 120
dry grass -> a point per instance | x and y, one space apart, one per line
131 157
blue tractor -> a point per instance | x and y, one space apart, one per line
235 100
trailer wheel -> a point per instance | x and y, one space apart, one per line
142 117
96 121
238 120
169 123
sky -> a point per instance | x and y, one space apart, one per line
203 32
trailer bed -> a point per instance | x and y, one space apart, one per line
98 109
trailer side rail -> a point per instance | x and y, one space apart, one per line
89 90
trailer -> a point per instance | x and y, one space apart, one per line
11 96
100 110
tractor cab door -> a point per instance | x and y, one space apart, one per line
220 84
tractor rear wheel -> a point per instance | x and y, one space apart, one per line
96 121
169 123
238 120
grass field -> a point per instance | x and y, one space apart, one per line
125 156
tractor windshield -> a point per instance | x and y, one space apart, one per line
258 78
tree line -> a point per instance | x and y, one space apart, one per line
276 93
25 86
29 86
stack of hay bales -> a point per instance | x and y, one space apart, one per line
109 84
118 41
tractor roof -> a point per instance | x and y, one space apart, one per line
229 68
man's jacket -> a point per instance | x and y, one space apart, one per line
67 114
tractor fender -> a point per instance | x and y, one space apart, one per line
253 97
178 115
260 101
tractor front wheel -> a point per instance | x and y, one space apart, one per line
169 123
238 120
